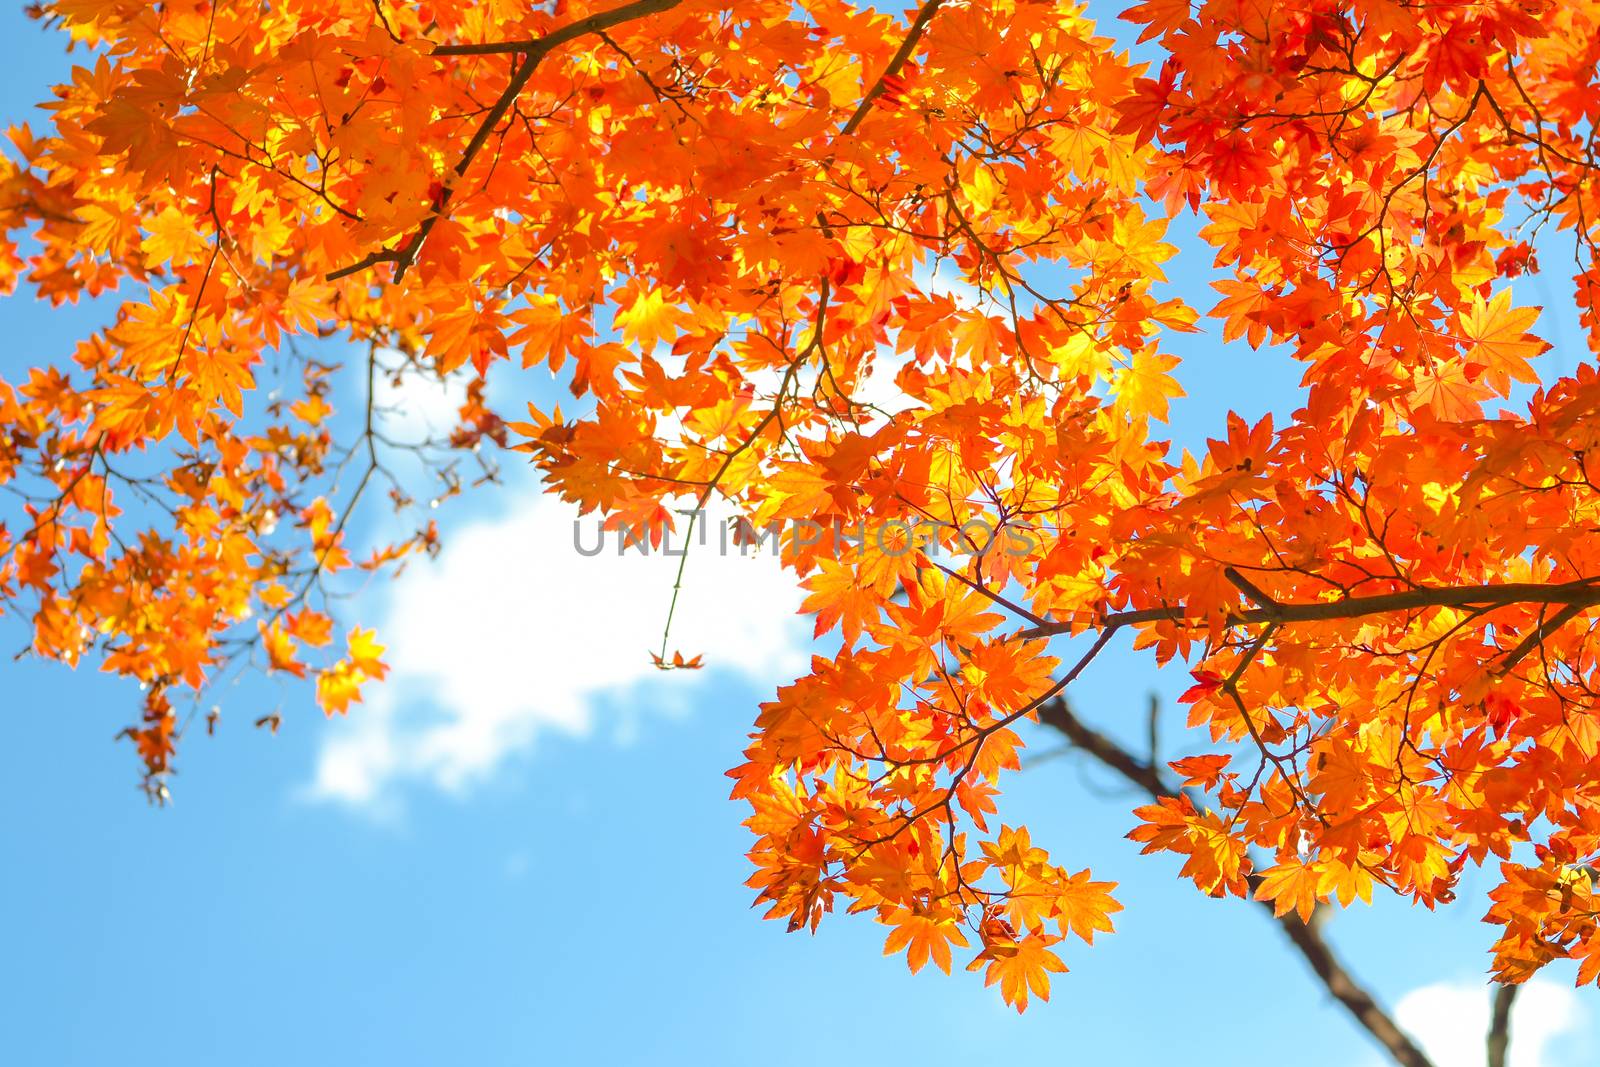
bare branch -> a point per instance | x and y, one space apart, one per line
1249 589
1058 714
1347 991
1306 937
1153 730
1500 1024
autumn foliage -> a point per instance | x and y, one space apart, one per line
730 230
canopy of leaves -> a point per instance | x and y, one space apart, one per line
717 222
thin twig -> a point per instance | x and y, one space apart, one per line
1307 938
531 51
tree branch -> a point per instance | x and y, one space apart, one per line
535 49
1500 1024
896 63
1059 715
1535 636
531 51
540 46
1345 989
1577 596
1306 937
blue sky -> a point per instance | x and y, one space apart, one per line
522 850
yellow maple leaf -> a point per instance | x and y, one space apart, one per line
924 938
1497 338
1023 968
1143 388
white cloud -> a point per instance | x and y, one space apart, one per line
512 632
1451 1021
944 278
422 405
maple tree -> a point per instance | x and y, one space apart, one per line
719 225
